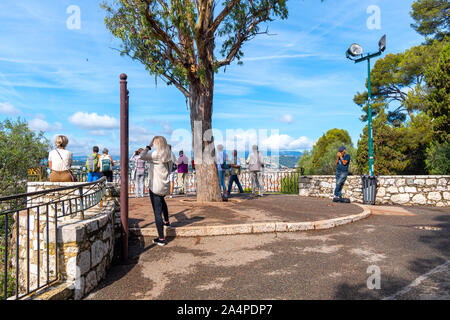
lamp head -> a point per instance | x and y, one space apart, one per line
382 43
355 50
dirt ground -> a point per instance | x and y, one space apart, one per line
184 211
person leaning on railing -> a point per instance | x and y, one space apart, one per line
60 161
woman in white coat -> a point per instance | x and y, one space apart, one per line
159 182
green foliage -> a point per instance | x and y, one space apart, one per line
289 183
438 158
322 145
20 149
432 18
438 79
305 162
322 159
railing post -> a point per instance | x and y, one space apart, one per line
82 203
124 106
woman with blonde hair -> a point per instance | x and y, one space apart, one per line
60 161
159 182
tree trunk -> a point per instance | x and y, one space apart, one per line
201 101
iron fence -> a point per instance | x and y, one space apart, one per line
29 234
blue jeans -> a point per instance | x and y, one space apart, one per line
93 176
234 178
341 176
222 180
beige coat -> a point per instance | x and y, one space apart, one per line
158 174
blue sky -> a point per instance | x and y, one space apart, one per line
295 83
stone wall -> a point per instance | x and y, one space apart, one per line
84 248
401 190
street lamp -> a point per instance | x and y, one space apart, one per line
356 53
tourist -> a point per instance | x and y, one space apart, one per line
256 165
235 171
221 160
106 165
159 182
342 163
138 174
60 161
172 172
182 163
93 165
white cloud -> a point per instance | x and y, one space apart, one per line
287 118
286 142
8 108
93 121
39 124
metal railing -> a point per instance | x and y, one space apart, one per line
29 234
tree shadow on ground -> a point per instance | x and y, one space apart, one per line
437 240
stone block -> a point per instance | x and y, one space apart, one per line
400 182
71 233
401 198
98 251
419 199
420 182
435 196
411 189
431 182
446 195
91 282
84 262
442 182
392 190
79 285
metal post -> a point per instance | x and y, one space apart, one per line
371 171
124 163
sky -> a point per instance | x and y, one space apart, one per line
294 85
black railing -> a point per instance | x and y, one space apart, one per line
29 234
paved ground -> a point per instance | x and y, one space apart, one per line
184 211
411 248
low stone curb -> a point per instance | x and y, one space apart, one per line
253 228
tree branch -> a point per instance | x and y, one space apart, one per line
221 16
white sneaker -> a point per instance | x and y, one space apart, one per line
170 197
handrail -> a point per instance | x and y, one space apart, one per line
36 193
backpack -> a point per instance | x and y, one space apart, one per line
106 164
92 163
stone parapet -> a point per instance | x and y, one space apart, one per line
401 190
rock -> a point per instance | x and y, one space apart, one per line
447 195
400 198
84 262
400 182
419 199
98 251
436 196
392 190
79 288
411 189
381 192
72 271
431 182
442 182
91 282
419 182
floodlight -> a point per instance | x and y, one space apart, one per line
382 43
355 50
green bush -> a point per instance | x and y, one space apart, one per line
289 184
438 158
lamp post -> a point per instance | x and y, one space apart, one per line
355 53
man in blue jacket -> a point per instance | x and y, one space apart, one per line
342 163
